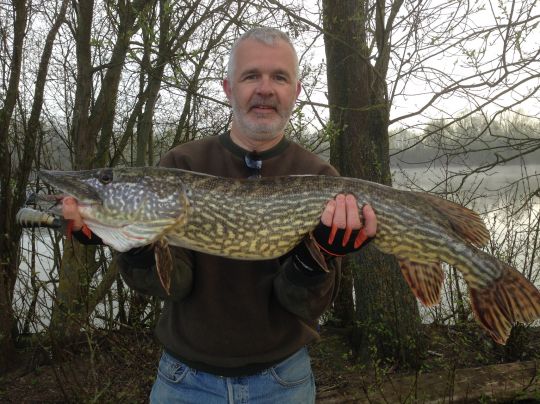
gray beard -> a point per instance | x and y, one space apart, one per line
261 131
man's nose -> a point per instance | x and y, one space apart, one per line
265 86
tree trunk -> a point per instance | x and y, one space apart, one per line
386 312
104 109
80 132
69 309
75 301
344 303
9 236
31 136
144 134
387 318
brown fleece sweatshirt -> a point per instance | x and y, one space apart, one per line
232 317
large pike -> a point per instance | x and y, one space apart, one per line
265 218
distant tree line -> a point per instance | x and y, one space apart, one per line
513 141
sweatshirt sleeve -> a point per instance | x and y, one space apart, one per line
138 269
307 284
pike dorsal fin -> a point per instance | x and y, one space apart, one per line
466 222
424 278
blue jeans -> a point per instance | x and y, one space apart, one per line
288 382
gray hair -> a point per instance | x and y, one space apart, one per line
266 35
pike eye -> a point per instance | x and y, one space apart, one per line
105 176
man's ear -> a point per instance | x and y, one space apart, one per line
298 88
227 88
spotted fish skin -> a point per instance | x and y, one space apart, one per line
265 218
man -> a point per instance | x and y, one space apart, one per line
236 331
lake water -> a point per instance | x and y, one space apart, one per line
434 179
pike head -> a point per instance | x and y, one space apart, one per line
127 208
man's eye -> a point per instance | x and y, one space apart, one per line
281 78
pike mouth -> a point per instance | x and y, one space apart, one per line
72 183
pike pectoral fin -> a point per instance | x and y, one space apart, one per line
164 264
509 299
116 237
424 278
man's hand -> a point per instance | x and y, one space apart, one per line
70 211
341 230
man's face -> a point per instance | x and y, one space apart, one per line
263 89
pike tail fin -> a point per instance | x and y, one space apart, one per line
497 305
509 299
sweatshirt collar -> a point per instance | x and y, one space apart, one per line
226 141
